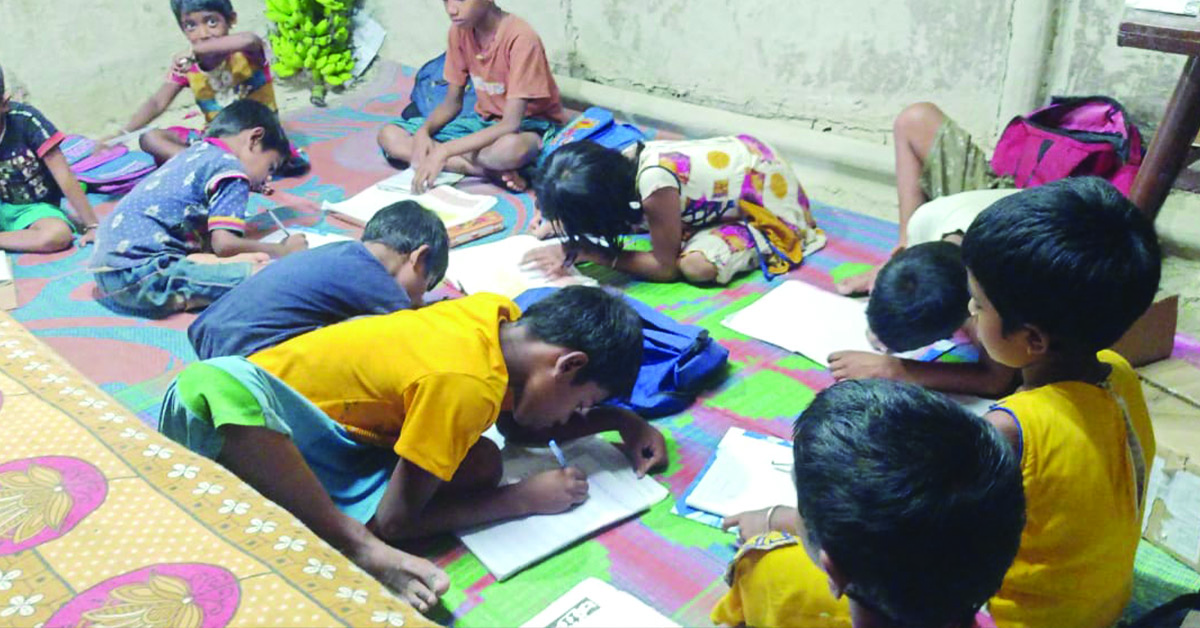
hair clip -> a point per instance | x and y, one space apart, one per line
635 204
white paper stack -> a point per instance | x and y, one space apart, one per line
748 472
596 604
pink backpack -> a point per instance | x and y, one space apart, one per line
1068 138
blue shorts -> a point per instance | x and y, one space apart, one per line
468 123
167 284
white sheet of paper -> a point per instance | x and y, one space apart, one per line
402 182
6 271
615 493
453 206
368 40
314 238
1177 7
807 320
748 474
496 267
594 603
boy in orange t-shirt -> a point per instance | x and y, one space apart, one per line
517 102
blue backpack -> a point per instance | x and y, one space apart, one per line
679 360
430 89
595 125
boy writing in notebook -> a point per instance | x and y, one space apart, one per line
34 178
378 420
910 513
517 102
403 254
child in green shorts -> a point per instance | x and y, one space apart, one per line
34 178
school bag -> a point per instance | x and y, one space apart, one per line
113 171
595 125
1071 137
679 361
1169 615
429 90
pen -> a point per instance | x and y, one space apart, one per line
279 222
558 454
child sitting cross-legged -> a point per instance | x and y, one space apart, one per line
910 513
403 254
175 242
369 431
920 296
714 208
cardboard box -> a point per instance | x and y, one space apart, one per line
1172 518
1152 337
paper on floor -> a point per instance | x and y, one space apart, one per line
497 267
594 603
402 181
314 238
749 471
615 493
453 206
1177 7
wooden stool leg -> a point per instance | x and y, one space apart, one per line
1171 143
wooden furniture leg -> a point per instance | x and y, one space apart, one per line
1171 143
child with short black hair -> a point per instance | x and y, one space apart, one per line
219 67
517 102
403 254
714 208
910 513
378 420
1057 273
920 297
175 242
34 178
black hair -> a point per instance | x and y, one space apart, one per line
183 7
404 227
243 114
600 324
920 296
1073 258
916 501
589 189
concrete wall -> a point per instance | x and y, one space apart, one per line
845 66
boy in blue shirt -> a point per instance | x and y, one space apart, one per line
403 254
34 178
150 250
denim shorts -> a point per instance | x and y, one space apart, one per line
167 284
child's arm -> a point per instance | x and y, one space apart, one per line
985 378
661 263
226 243
86 220
435 160
152 108
643 443
409 509
229 44
755 522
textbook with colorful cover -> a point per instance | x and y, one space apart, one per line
615 494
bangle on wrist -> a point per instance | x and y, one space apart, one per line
771 513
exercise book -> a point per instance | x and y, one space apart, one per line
594 603
498 267
452 205
315 238
749 471
402 182
615 494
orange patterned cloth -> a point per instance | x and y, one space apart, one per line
105 522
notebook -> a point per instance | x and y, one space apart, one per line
749 471
594 603
402 182
615 494
315 238
496 267
453 206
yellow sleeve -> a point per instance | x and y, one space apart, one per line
445 414
773 582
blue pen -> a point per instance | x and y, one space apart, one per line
558 454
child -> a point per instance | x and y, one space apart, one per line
920 296
935 157
714 208
380 418
403 254
146 254
219 68
910 512
1058 273
34 178
517 102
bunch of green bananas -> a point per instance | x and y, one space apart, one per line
312 35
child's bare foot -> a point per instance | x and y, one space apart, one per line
512 181
416 580
858 284
209 258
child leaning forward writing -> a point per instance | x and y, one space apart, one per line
176 241
714 208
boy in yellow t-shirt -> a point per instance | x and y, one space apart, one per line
377 420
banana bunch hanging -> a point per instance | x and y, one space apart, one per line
312 35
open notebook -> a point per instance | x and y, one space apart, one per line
315 238
496 267
748 471
594 603
453 206
615 493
